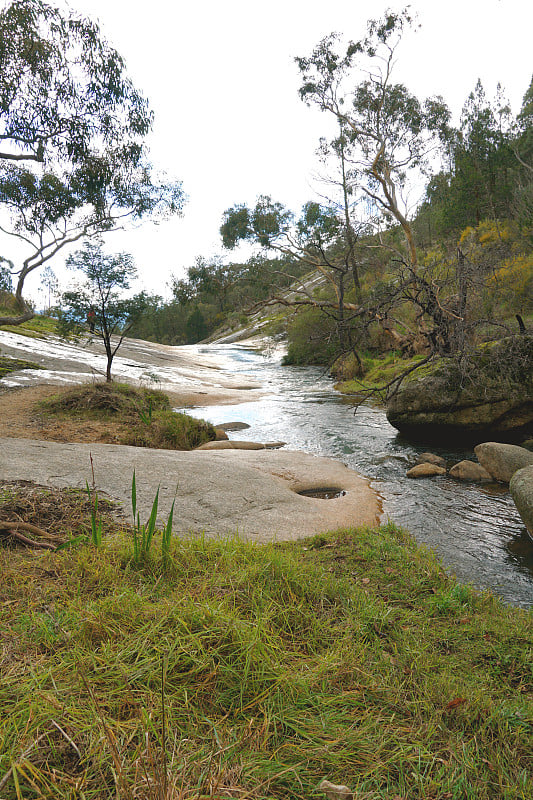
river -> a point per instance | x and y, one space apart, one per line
475 529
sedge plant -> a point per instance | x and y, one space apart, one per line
143 534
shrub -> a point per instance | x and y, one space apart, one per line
312 339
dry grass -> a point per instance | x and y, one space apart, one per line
127 415
61 514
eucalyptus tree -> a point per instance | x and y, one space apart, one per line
100 298
61 87
73 158
316 242
390 135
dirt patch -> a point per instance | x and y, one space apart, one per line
21 417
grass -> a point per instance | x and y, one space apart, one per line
8 365
143 417
38 327
379 372
245 671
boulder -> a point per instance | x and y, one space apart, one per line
430 458
236 445
521 488
221 435
470 471
491 397
425 471
232 426
527 443
502 460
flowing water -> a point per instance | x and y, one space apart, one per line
475 529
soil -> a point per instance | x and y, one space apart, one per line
20 417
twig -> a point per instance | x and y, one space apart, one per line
67 737
31 542
7 524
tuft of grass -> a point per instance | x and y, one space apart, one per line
256 671
144 417
105 400
8 365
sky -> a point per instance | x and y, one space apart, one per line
221 79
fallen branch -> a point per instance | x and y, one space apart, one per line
25 526
11 529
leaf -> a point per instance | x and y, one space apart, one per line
458 701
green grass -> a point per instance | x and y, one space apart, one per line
378 372
256 671
38 327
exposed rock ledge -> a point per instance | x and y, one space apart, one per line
491 397
219 493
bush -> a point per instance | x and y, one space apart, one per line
312 339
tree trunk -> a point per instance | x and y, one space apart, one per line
27 312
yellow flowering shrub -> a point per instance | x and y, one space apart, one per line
514 282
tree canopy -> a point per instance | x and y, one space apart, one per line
62 86
100 298
388 133
74 161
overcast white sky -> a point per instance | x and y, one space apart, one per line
221 79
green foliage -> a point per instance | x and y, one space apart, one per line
99 299
143 534
265 223
66 103
170 430
387 133
96 524
69 86
489 174
219 292
311 339
196 326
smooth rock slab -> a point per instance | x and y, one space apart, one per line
521 488
470 471
217 493
502 460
